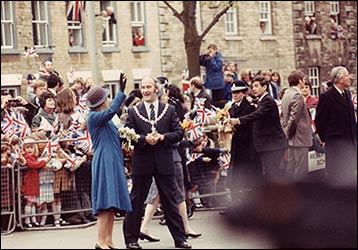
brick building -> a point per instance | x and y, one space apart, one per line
256 35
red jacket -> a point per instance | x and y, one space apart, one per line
31 183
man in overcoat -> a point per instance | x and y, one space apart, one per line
337 127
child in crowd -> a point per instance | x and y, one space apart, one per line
31 182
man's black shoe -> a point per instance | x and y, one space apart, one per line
133 245
182 244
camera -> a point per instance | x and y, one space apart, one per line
16 100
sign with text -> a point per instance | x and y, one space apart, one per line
316 161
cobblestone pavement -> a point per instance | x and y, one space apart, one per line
216 235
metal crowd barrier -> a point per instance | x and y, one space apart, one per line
8 211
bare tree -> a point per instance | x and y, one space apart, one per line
192 39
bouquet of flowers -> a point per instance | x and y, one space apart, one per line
224 128
222 115
128 136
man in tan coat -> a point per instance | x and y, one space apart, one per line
296 124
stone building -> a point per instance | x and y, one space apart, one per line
146 38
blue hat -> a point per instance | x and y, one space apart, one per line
48 59
238 85
96 96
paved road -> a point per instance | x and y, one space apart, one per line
216 235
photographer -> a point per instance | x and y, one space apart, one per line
11 105
214 80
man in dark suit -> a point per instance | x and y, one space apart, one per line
268 137
337 127
198 90
159 128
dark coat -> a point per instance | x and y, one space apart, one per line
267 130
147 158
337 127
242 148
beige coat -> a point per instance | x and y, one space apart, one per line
295 119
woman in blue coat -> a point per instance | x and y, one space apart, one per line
109 186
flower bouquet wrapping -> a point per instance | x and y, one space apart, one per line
224 128
128 137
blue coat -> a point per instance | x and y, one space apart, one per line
109 184
214 78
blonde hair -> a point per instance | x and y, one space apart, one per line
31 142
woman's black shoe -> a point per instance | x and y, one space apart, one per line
192 235
97 246
143 236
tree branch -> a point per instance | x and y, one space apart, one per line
175 12
215 20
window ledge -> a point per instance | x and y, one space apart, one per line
77 50
233 38
140 49
110 49
268 38
313 37
44 51
10 52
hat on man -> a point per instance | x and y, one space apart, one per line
97 96
238 85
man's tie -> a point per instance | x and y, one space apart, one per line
152 113
344 95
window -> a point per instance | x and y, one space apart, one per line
40 24
334 11
309 8
265 17
138 24
313 77
231 22
334 7
75 17
109 24
7 25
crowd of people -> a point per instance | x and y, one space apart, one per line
242 129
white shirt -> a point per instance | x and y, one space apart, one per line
147 107
260 99
339 91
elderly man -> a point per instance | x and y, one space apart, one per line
337 127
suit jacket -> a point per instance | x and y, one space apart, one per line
295 119
148 159
267 130
335 117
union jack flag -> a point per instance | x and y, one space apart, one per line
45 125
30 52
22 129
192 157
51 147
195 131
75 10
6 125
73 161
224 160
84 142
